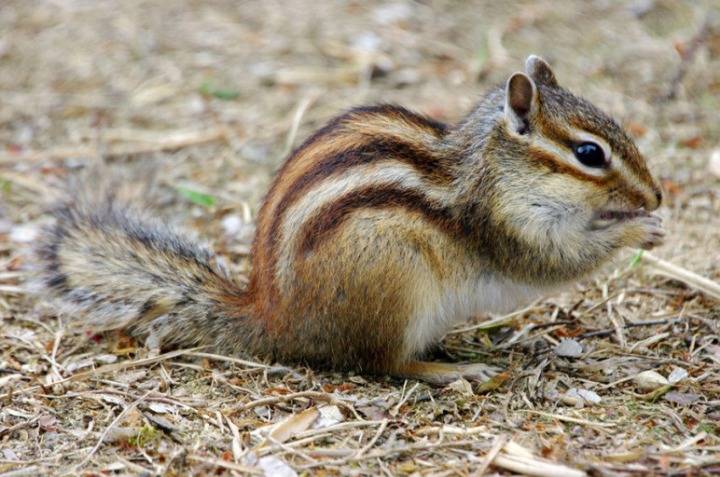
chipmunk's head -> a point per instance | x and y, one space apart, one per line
566 175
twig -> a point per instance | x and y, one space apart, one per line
316 395
13 290
226 465
618 327
495 322
242 362
19 425
302 107
336 428
574 420
403 398
58 456
449 429
30 470
610 331
383 453
105 433
492 453
369 445
689 278
687 56
534 466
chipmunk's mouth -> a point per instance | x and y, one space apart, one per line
603 219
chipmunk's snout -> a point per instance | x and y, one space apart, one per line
653 200
658 198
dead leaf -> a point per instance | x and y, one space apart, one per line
106 358
111 398
161 422
161 408
47 422
293 425
274 467
116 434
580 397
329 416
374 413
9 454
461 386
636 129
683 399
693 142
131 376
672 187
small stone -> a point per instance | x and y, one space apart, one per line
569 348
677 375
650 380
714 164
461 386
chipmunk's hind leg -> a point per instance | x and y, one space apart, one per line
445 373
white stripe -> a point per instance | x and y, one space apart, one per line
385 173
567 156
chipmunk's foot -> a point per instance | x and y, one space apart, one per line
441 374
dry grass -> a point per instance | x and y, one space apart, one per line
206 97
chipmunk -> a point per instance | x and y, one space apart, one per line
380 232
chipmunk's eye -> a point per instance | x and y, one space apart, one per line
590 154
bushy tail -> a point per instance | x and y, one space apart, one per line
118 270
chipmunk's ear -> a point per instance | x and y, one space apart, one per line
520 102
540 71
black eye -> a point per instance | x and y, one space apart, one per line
590 154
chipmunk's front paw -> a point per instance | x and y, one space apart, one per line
650 232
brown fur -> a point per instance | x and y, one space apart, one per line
418 210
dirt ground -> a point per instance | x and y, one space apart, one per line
199 101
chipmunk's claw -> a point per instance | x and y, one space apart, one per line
478 372
653 233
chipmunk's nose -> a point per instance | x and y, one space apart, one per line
653 200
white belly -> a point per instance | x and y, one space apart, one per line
441 306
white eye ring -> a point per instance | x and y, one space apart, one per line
580 137
590 154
